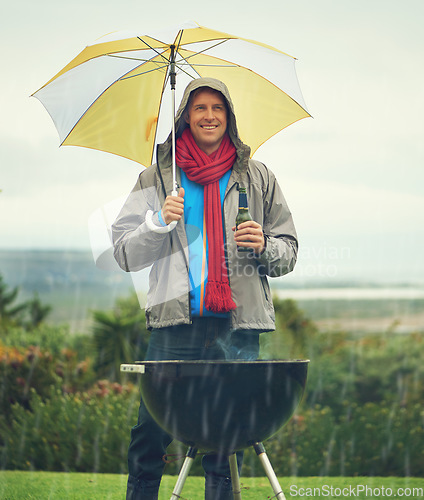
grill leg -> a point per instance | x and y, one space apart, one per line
269 471
185 469
235 479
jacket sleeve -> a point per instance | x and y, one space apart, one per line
281 246
135 246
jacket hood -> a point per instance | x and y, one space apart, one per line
243 151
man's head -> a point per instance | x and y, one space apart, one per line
185 118
206 115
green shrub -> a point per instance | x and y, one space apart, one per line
119 336
361 415
47 337
31 368
381 439
370 440
89 432
72 432
29 314
388 368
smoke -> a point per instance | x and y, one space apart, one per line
240 345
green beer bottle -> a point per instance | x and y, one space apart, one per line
243 214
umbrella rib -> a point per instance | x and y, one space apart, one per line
143 72
157 52
185 59
177 45
186 72
211 65
229 66
84 112
167 76
206 49
133 58
179 64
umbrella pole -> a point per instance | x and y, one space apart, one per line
149 214
173 79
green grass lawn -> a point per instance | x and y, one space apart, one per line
17 485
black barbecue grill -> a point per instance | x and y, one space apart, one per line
222 406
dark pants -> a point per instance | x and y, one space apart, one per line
205 339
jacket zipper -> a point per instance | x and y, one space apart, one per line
176 236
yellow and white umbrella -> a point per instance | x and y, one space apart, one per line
112 96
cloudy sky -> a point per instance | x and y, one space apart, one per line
353 175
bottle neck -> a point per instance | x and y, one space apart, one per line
243 201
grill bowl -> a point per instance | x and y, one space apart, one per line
222 406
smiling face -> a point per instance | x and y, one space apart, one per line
207 118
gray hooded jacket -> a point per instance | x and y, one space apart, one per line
136 247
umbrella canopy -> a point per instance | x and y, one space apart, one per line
113 97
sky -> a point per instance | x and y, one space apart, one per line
352 175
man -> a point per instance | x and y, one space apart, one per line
205 297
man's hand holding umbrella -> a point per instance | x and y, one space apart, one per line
173 208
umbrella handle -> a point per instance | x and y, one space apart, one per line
158 229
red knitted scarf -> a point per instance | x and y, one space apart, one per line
207 170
